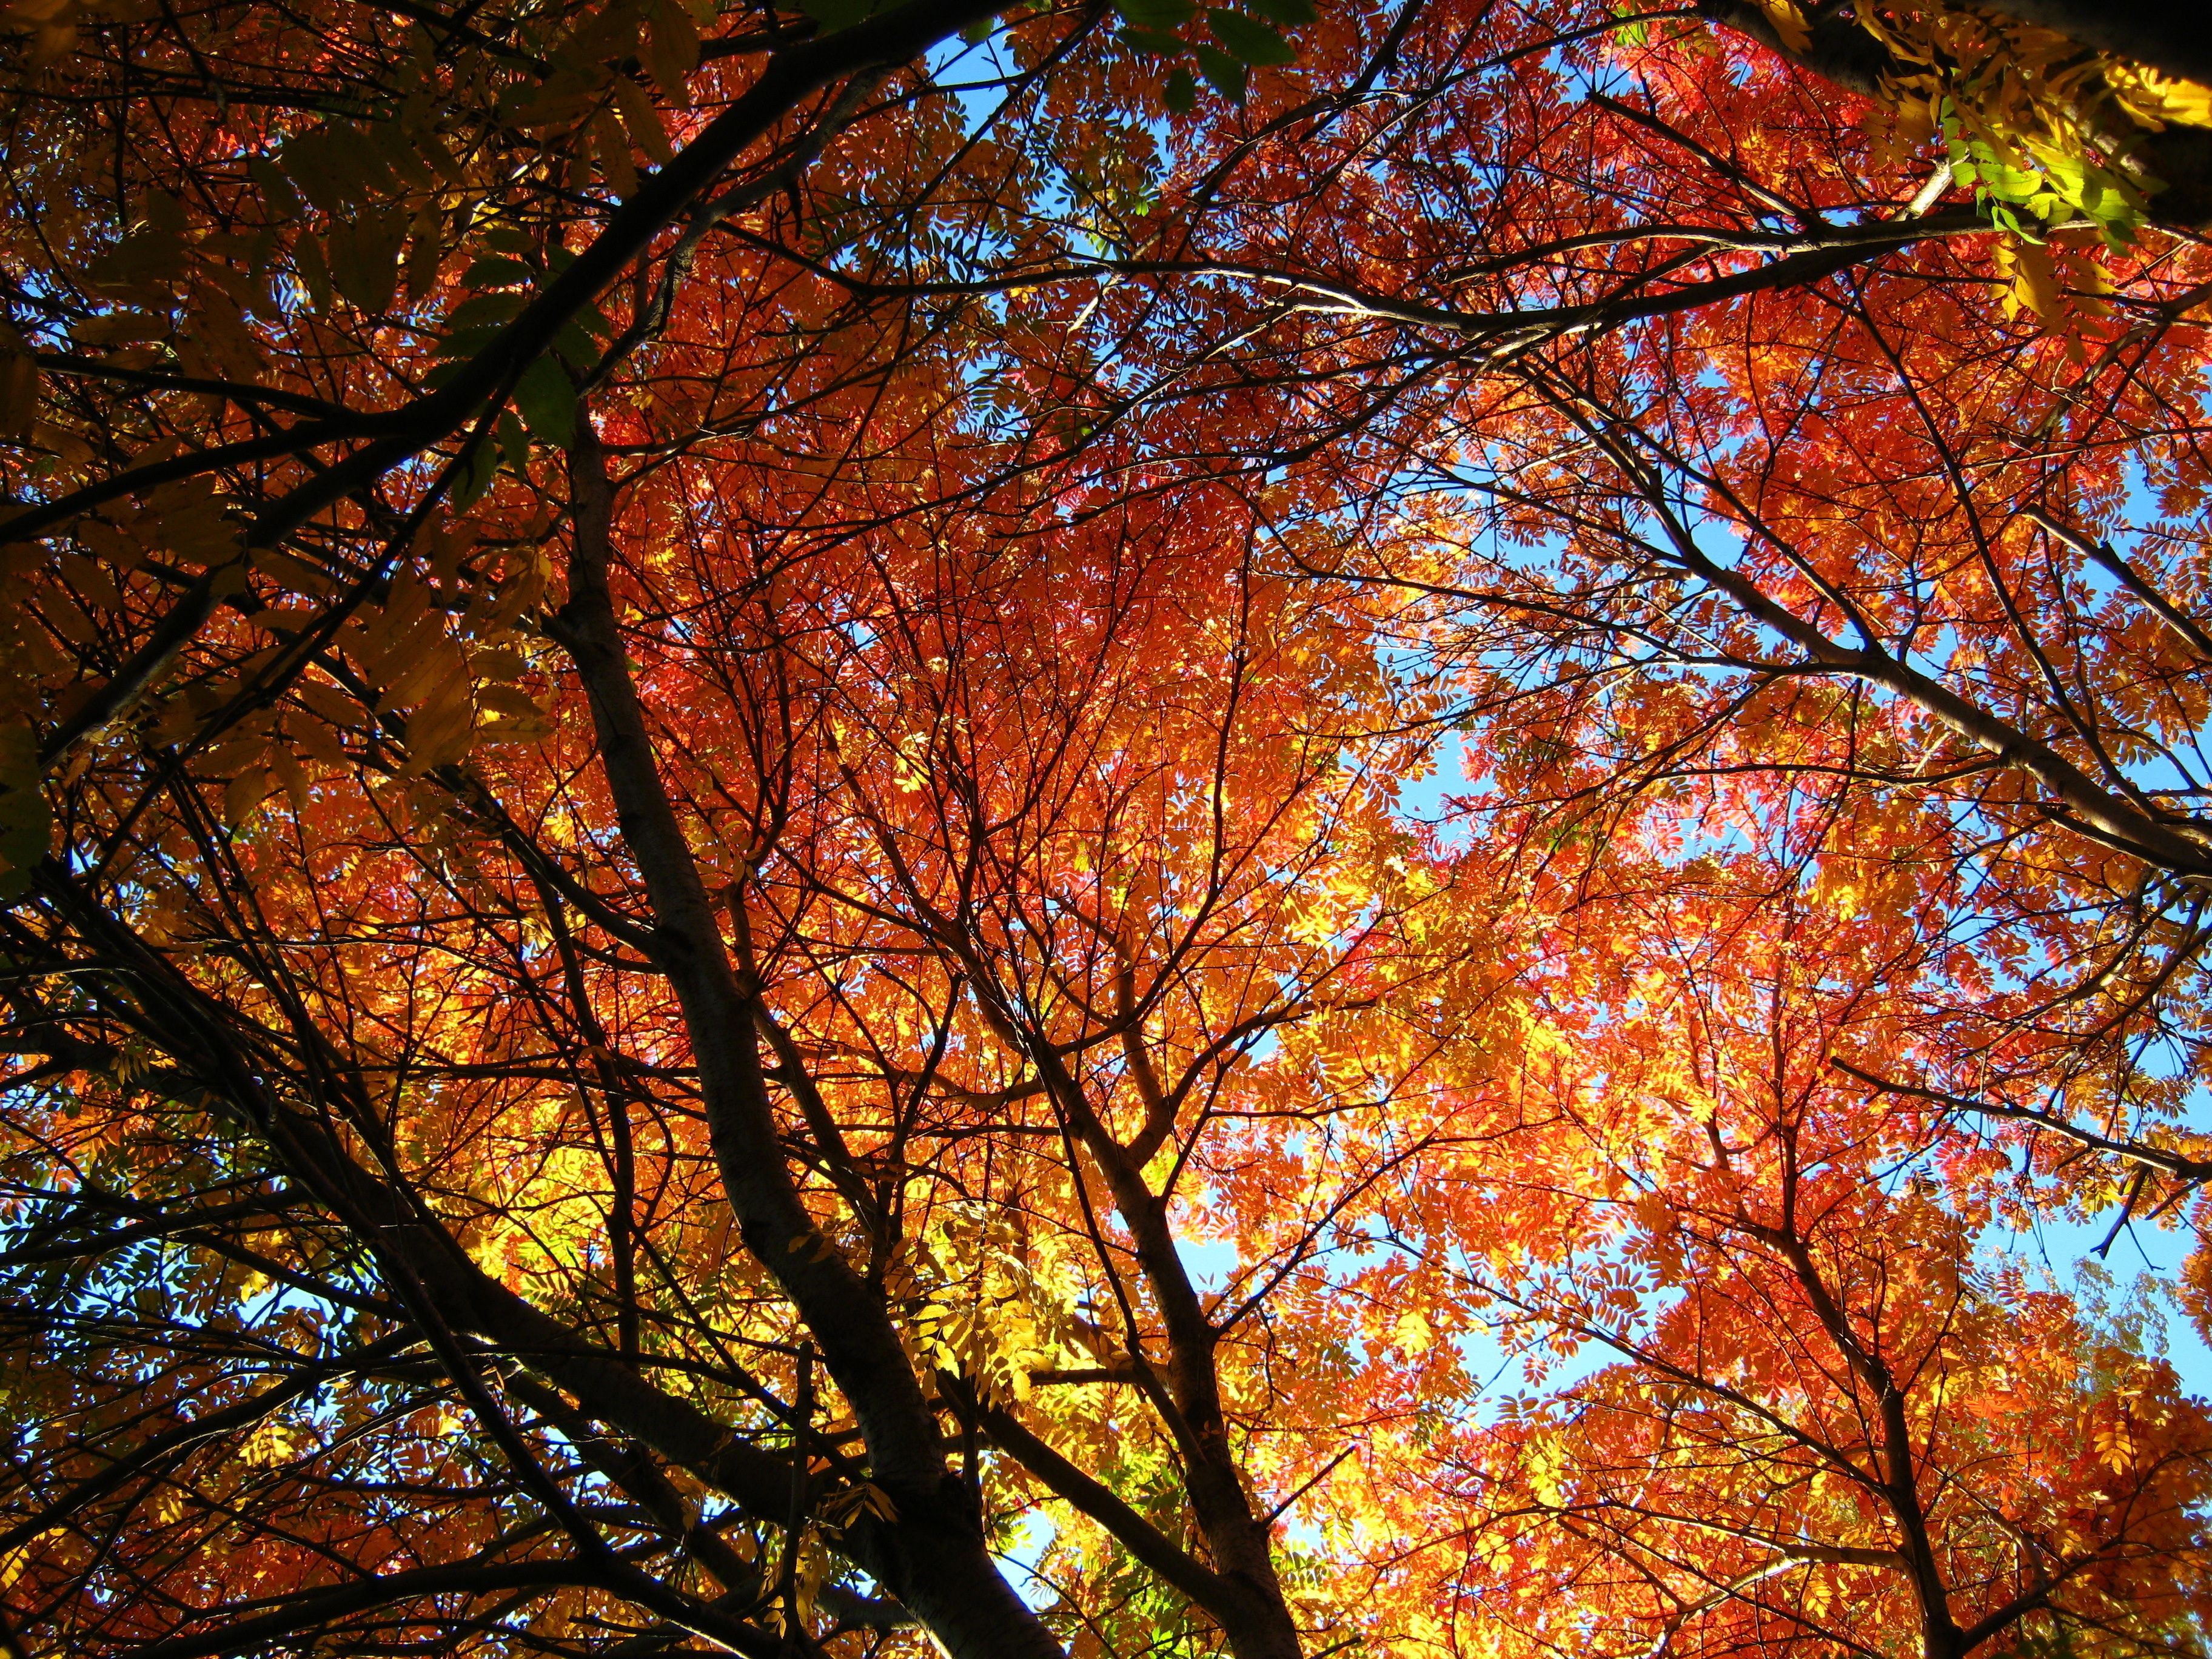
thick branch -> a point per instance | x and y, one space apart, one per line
933 1558
1205 1586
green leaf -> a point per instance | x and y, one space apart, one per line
276 189
27 823
1167 45
470 341
1181 92
497 270
19 757
1289 13
2010 184
1248 39
573 344
835 15
483 308
1224 73
478 466
1156 14
514 445
547 404
313 270
364 257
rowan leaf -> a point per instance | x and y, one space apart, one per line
1159 17
547 404
1225 74
1248 39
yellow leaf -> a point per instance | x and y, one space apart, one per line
19 394
643 120
313 269
433 149
120 327
307 163
424 663
364 252
613 146
327 701
243 793
673 48
389 142
2153 99
438 732
1790 24
509 700
2034 280
426 246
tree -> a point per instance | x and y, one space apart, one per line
705 796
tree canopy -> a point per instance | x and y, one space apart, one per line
1101 830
